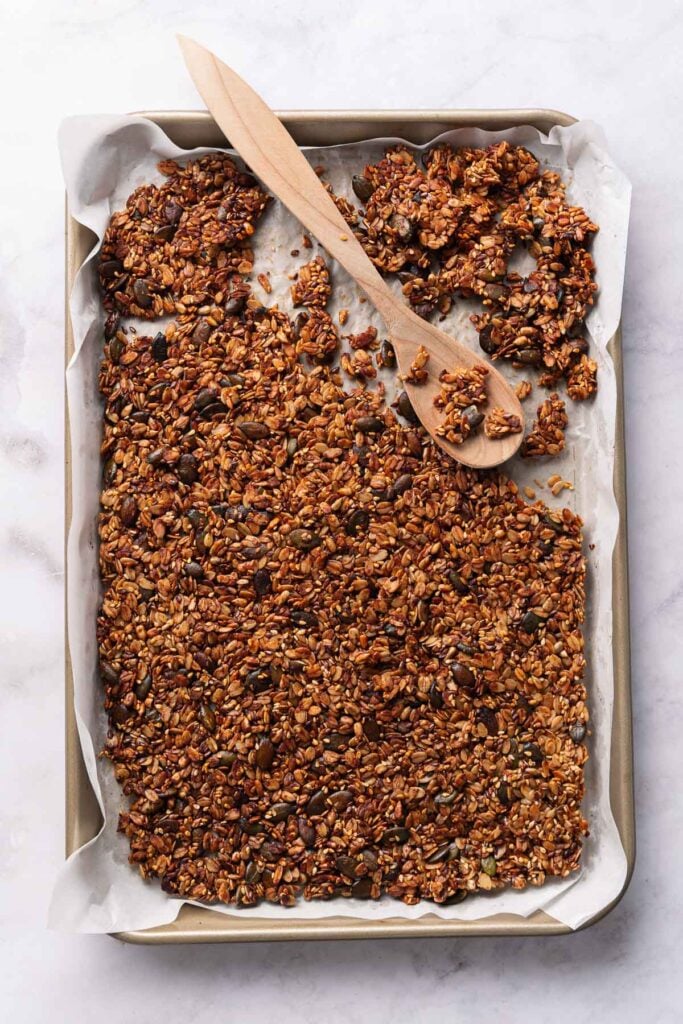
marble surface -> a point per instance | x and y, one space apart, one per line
617 64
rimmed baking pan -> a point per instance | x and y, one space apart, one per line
190 129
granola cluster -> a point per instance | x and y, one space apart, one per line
451 226
334 661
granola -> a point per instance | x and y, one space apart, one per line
312 287
499 423
417 371
546 436
451 227
334 661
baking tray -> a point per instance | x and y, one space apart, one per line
190 129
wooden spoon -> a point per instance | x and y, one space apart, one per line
271 153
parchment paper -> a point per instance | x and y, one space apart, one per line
104 159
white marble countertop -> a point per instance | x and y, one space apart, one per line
616 63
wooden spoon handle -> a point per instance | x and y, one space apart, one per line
269 150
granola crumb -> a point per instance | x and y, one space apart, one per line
306 242
523 389
582 379
546 436
313 287
343 316
500 423
530 493
417 372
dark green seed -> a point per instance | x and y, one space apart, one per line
530 286
235 303
281 811
439 854
457 582
291 446
405 407
403 483
358 521
341 800
370 425
346 866
143 687
109 471
362 889
387 354
489 866
156 457
265 754
396 835
253 430
531 622
225 758
201 333
197 518
165 234
371 729
576 329
369 858
204 397
252 828
503 794
111 326
160 348
173 212
489 718
362 187
463 676
451 901
187 468
435 696
445 799
271 850
553 523
194 570
207 717
533 752
495 292
485 340
259 679
578 731
252 873
303 618
304 540
529 356
108 673
141 294
306 832
262 582
317 803
335 741
120 713
128 511
116 347
109 269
